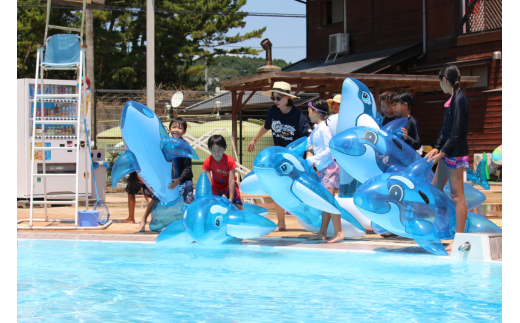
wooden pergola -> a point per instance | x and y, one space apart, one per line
326 84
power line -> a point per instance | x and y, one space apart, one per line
261 47
161 10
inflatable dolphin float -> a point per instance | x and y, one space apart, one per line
293 185
213 220
407 205
150 153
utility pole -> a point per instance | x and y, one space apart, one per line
206 71
150 54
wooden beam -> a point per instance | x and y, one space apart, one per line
245 102
329 95
300 87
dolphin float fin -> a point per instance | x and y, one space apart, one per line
394 126
377 228
253 208
298 146
476 223
175 147
423 233
252 185
479 177
310 192
345 215
124 165
366 120
203 186
472 196
420 169
175 234
247 225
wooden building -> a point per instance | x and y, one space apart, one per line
413 37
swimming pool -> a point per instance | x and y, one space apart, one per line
64 281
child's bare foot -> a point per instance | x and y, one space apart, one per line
142 227
336 237
128 220
319 236
280 228
449 247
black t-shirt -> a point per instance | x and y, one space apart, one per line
388 119
286 128
184 169
453 137
414 136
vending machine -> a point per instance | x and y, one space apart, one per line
56 135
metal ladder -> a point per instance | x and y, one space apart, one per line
80 113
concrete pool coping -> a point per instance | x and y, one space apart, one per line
360 245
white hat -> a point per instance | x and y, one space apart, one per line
283 88
337 98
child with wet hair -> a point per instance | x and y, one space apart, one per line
321 157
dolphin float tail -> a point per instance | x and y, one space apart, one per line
124 165
476 223
247 225
479 177
174 235
424 234
298 146
394 126
175 147
164 214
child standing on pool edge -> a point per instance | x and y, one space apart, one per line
220 168
328 170
451 149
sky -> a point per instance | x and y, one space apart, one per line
288 35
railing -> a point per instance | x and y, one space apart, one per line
481 15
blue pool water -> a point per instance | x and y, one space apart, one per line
69 281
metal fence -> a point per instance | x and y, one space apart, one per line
205 112
482 15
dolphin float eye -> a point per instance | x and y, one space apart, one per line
370 136
286 168
396 192
218 221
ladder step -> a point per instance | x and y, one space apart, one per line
54 202
57 96
54 175
55 148
64 28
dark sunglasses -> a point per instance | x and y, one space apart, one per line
278 98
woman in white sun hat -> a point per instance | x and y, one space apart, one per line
334 103
286 123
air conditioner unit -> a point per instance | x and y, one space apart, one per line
338 43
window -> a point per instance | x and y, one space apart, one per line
479 70
332 11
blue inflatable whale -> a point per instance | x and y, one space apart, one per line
150 154
479 176
407 205
213 220
293 185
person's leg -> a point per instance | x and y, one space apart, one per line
441 175
280 214
338 231
457 195
237 199
146 214
325 220
131 209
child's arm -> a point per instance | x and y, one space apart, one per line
412 135
231 185
208 173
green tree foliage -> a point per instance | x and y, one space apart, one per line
120 40
229 67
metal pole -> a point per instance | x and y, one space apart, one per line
150 54
94 109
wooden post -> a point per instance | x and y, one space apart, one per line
236 102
